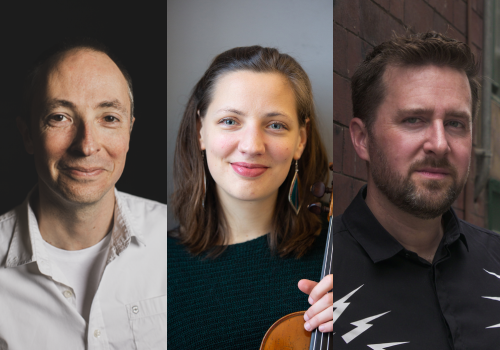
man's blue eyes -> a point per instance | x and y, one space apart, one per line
453 124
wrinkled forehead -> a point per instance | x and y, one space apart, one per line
406 74
83 76
87 68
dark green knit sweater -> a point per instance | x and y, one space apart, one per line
230 302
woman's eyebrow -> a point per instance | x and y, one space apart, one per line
236 111
232 110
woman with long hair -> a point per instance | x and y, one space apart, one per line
247 152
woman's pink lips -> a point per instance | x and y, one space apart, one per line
248 169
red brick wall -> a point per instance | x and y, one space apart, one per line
358 25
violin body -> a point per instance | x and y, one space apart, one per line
287 333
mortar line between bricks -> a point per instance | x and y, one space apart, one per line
406 26
341 75
390 14
350 31
427 2
339 124
439 13
349 176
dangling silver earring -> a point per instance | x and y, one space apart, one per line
204 179
294 194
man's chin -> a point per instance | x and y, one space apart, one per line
82 195
430 202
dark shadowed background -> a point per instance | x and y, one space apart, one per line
135 39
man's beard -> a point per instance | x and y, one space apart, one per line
427 201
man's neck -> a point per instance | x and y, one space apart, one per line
71 226
248 220
417 235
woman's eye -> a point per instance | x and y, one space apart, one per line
229 122
277 126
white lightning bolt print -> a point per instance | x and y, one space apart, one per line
493 298
385 346
492 273
340 305
361 326
497 299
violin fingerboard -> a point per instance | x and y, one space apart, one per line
324 341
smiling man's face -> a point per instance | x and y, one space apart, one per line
420 144
80 127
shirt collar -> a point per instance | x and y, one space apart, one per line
27 243
376 241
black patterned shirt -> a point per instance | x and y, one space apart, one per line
386 297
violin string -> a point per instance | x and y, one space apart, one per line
326 265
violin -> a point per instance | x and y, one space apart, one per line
288 332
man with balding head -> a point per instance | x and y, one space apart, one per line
82 264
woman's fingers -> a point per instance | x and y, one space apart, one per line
306 286
323 287
320 314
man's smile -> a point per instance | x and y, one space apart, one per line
85 172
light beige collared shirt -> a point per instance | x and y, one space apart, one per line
129 310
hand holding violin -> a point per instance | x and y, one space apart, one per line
320 314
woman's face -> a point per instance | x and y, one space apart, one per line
251 134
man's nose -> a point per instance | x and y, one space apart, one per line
436 140
251 141
86 141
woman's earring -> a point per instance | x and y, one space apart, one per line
204 179
294 194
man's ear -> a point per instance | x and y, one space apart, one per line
24 129
199 126
132 121
359 138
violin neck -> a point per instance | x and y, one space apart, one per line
324 341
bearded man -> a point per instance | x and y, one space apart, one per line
408 273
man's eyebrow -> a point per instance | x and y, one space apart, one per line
236 111
112 104
49 105
413 111
427 111
459 114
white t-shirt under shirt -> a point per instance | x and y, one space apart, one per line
83 270
129 309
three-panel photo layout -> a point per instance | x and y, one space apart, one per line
251 175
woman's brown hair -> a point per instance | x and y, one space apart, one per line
203 227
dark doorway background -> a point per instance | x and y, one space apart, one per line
135 40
